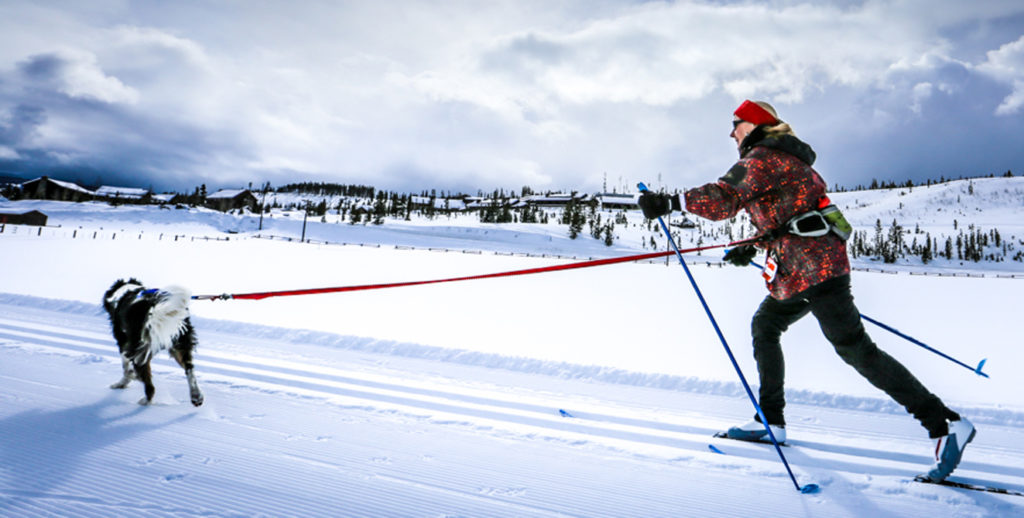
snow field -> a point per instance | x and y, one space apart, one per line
444 400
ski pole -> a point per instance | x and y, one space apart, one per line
927 347
808 488
976 370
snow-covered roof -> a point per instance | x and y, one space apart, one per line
558 197
226 193
163 197
616 199
66 185
440 203
480 203
121 192
17 211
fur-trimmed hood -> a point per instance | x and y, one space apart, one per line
789 144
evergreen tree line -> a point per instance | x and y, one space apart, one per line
893 243
329 189
876 185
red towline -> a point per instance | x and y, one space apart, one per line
545 269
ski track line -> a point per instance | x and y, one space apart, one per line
308 376
474 496
634 430
436 480
321 384
440 477
240 499
36 498
112 495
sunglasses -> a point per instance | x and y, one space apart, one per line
737 122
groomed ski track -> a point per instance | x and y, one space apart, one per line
301 429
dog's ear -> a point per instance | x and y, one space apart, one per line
110 292
113 287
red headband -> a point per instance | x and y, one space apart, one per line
753 113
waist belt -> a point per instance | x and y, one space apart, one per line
817 223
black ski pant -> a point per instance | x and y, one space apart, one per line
831 302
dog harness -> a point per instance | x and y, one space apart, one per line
116 296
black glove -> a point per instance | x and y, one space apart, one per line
654 204
741 255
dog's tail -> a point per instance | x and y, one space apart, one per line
166 319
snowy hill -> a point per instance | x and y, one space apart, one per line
444 400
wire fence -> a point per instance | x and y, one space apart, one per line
103 234
7 229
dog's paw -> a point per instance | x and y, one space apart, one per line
120 384
145 401
197 399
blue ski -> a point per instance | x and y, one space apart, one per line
963 485
724 435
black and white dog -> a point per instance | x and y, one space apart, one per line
145 322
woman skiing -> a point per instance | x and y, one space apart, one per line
806 271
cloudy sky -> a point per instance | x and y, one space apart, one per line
481 94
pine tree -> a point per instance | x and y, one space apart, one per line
879 248
609 234
926 252
596 228
577 221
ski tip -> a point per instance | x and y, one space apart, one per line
810 489
563 413
980 365
716 450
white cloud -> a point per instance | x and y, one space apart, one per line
82 78
920 93
665 54
147 47
516 91
1006 64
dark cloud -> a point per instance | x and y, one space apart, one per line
504 96
952 131
22 123
96 140
45 67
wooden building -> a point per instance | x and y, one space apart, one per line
22 217
229 199
46 188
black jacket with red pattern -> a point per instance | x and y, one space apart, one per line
774 181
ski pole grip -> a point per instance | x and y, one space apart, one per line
642 187
980 365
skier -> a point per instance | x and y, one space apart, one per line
806 271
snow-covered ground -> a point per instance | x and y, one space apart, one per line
443 400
